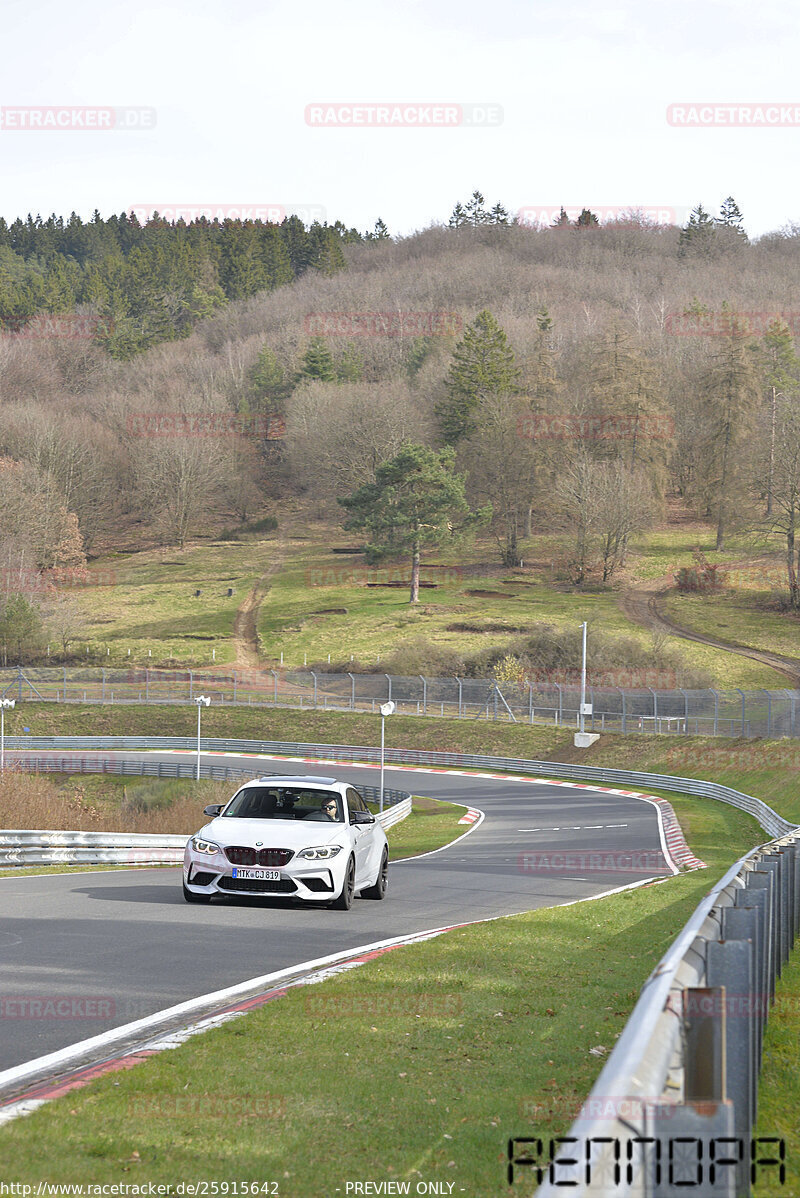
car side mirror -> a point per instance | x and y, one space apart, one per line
361 817
213 809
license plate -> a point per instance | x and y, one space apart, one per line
258 875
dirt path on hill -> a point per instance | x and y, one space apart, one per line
643 604
245 626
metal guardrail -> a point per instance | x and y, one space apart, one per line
770 821
45 847
624 703
42 847
676 1102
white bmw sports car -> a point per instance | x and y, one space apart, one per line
295 838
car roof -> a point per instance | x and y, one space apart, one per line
307 780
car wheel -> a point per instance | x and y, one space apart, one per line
378 891
345 900
191 897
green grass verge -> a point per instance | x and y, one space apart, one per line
152 610
418 1066
431 825
320 604
27 870
779 1101
740 615
146 603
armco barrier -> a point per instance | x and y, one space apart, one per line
41 847
20 847
676 1102
769 820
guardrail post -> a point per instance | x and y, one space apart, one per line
352 692
745 923
729 968
778 861
685 710
458 680
191 686
758 880
389 680
424 694
560 704
530 703
704 1026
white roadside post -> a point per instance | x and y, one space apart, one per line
4 705
583 738
386 709
201 701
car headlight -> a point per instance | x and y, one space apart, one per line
323 853
205 846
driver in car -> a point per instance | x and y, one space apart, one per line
331 809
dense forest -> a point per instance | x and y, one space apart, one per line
581 374
152 282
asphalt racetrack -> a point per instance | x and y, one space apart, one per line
121 945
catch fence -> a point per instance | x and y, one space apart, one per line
681 711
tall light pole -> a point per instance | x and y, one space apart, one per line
583 679
386 709
201 701
4 704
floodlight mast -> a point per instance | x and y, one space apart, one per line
386 709
5 704
201 701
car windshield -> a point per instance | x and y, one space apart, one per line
285 802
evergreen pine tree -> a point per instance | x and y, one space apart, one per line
730 217
586 220
317 362
697 235
482 366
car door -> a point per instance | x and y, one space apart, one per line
364 838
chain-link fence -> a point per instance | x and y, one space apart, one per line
709 712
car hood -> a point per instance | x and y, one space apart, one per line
272 833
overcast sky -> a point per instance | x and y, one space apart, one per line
574 101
